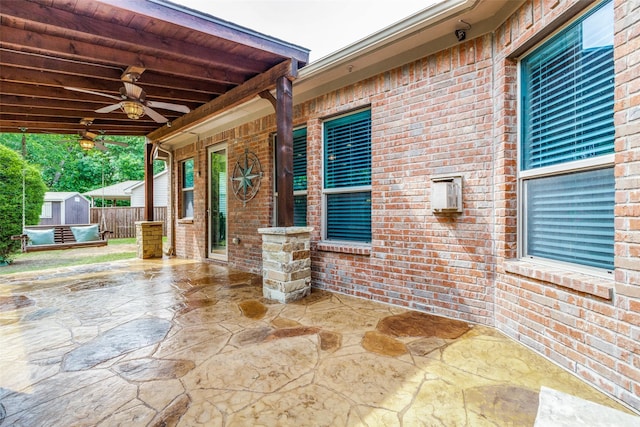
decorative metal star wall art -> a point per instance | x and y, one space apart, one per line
246 177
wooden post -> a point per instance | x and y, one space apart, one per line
284 168
148 182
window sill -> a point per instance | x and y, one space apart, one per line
344 248
185 221
576 281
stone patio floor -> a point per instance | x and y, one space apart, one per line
177 342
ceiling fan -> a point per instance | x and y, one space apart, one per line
133 99
89 140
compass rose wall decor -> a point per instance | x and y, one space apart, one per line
246 177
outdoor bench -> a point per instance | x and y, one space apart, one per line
54 237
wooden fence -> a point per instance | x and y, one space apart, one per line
122 220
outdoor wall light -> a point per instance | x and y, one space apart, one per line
86 144
134 110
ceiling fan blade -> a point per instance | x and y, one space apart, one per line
157 117
108 108
77 89
109 141
99 146
132 90
169 106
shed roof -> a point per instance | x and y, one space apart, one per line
114 192
60 196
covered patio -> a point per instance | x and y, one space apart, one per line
149 68
179 342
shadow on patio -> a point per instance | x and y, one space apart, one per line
178 342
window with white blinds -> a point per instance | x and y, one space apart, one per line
570 217
347 178
567 137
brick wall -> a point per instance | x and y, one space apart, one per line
455 112
575 319
430 117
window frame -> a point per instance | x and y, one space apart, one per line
46 211
598 162
343 190
186 190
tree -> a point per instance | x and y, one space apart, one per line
67 167
12 168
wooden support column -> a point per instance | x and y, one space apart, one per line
148 182
284 168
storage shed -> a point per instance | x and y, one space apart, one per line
64 208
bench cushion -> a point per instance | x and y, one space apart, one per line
86 234
40 237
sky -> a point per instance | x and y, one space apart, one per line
323 26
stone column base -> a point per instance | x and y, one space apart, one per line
286 263
149 239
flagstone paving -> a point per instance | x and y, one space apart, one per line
177 342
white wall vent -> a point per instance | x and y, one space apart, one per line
446 194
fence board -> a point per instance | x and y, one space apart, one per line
122 220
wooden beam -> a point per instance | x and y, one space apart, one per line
234 97
151 79
284 168
212 26
13 126
64 23
148 181
18 39
53 79
265 94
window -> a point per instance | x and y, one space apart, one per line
299 177
567 144
347 178
187 188
47 211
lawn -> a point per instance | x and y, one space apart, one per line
117 249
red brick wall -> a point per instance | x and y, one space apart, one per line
569 317
243 219
430 117
455 113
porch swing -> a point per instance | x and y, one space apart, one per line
55 237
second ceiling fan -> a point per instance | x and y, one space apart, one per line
133 99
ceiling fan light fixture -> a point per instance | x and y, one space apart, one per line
86 144
133 110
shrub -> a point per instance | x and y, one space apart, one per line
11 170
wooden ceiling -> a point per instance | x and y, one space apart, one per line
188 58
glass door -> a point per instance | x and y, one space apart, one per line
218 202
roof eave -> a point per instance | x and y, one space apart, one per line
417 36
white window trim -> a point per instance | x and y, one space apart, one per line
341 190
184 190
47 210
599 162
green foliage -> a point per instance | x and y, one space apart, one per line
12 167
67 167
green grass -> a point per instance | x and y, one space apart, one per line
35 261
129 241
